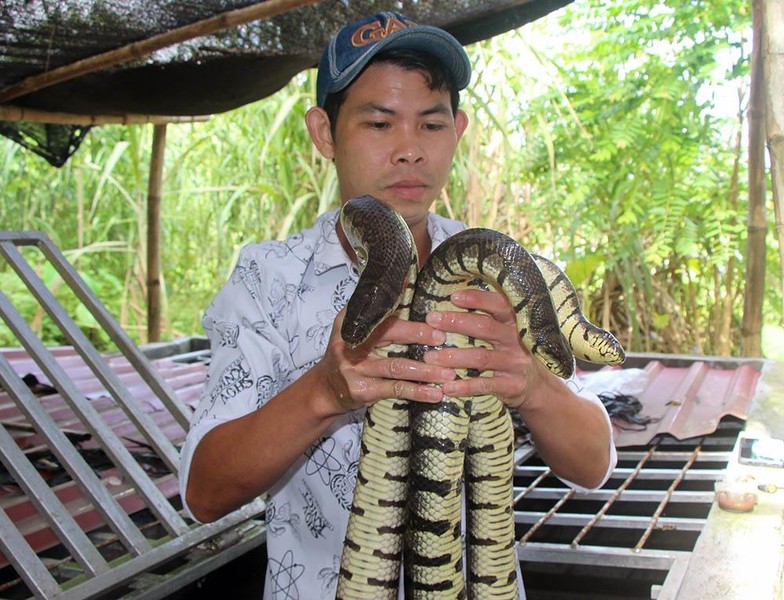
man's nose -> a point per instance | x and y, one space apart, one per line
408 150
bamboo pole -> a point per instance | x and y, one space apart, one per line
751 327
155 186
10 112
98 62
773 58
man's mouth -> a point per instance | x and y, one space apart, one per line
408 186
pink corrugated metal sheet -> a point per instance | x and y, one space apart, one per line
684 398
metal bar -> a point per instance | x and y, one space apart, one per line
82 345
122 572
602 495
180 412
609 521
622 558
124 344
545 517
101 540
647 474
603 510
58 443
679 455
198 563
666 499
523 453
91 419
48 504
670 588
26 562
531 487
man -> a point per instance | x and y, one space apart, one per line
283 407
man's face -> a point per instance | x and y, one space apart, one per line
395 139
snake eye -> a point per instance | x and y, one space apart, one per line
362 257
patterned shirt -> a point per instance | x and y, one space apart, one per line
268 325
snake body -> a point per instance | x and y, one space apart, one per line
415 457
374 538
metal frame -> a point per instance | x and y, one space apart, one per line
87 572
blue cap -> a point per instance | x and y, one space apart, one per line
352 48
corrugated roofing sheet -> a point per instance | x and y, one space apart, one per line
683 397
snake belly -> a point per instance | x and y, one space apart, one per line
459 441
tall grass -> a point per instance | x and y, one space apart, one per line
647 242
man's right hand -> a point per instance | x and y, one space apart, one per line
363 375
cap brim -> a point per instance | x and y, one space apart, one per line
418 37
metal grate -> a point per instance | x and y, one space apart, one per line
631 539
117 529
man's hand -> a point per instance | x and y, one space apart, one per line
571 433
363 375
515 372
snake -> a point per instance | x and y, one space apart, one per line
419 460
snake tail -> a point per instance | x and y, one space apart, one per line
490 543
370 566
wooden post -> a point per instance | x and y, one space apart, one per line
773 60
757 228
154 234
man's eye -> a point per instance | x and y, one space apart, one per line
379 124
434 126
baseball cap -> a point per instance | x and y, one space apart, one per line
354 45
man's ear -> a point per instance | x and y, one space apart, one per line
461 122
317 123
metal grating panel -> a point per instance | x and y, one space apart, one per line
89 503
631 539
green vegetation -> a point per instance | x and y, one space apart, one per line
594 139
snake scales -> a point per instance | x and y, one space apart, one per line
416 457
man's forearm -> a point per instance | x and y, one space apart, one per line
570 432
241 459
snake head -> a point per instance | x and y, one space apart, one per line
387 262
370 304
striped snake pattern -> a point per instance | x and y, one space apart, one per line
416 458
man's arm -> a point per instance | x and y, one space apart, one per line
571 433
241 459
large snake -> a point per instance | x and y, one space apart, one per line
416 457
